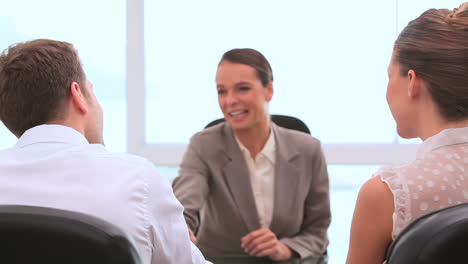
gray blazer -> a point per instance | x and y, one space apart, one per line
214 187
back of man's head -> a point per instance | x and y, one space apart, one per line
35 80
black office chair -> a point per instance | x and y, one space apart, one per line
438 237
30 234
281 120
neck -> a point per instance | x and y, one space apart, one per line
436 126
254 139
69 122
430 121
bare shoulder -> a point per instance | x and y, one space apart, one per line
376 191
372 223
375 198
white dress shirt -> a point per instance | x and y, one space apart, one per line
262 178
55 166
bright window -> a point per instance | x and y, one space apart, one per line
329 66
329 63
97 29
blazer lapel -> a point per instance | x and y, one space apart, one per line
238 180
286 182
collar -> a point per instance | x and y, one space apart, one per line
447 137
268 150
51 133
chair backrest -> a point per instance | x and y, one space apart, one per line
281 120
438 237
30 234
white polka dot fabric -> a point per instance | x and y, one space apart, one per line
435 180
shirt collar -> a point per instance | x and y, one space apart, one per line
447 137
268 150
51 133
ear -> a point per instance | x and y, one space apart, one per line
269 91
77 98
414 86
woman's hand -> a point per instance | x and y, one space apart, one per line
263 242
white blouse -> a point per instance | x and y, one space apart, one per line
262 178
435 180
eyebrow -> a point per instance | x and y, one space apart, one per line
243 82
236 84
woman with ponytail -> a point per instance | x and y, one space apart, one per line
428 96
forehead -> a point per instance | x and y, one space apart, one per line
393 64
228 71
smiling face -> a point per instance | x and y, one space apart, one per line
241 96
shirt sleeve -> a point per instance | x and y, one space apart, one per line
168 230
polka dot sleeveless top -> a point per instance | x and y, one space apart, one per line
435 180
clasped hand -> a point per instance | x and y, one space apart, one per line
263 242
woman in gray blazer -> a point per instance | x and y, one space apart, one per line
248 185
